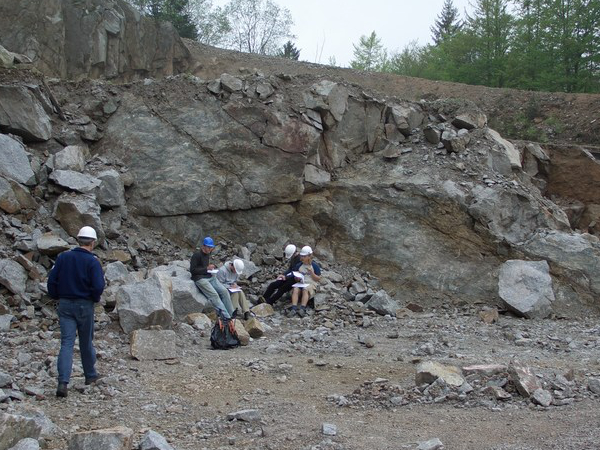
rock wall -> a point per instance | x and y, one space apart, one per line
99 39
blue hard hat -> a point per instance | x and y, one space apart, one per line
208 242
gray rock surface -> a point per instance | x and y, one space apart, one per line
245 415
51 244
13 276
125 45
153 344
22 114
382 303
75 181
76 211
117 438
151 440
111 192
15 164
187 298
526 288
71 157
27 444
146 303
14 428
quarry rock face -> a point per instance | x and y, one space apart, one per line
56 36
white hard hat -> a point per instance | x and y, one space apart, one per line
238 264
87 232
306 250
289 250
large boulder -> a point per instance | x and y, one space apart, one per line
383 304
8 199
21 113
91 39
526 288
187 299
51 244
76 211
71 157
111 192
146 303
15 164
429 371
117 438
13 428
13 276
75 181
151 440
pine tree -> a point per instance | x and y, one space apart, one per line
369 54
289 51
447 24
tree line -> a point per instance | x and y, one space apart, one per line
253 26
550 45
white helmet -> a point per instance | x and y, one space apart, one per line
306 250
289 250
238 265
87 232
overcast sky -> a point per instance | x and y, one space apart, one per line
325 28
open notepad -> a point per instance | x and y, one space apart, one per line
300 285
234 289
298 275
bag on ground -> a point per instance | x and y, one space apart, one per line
223 335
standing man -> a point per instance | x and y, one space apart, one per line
284 282
206 282
77 282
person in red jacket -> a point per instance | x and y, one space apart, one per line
77 282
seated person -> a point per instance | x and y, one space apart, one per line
284 282
206 283
311 276
228 276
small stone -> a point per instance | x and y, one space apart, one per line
542 397
594 385
245 415
329 429
433 444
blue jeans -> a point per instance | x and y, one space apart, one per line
217 294
76 316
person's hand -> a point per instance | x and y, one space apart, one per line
281 277
234 285
210 267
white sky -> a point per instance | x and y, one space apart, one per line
325 28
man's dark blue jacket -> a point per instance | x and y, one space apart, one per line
76 274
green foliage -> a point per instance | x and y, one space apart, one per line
178 12
369 54
551 45
447 24
289 51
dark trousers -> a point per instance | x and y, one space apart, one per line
277 288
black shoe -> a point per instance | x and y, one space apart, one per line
89 381
62 390
302 311
291 312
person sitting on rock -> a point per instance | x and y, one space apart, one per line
228 276
284 282
206 282
311 275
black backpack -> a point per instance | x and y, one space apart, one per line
223 335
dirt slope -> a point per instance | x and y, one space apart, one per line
537 116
